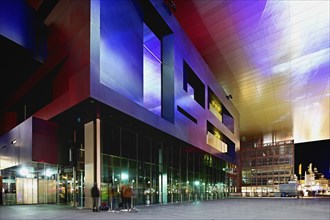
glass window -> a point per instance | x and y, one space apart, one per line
128 144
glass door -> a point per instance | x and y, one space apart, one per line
69 192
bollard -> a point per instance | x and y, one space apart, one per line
148 200
132 202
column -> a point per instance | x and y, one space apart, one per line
92 159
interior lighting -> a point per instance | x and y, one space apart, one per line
48 173
216 134
23 171
124 176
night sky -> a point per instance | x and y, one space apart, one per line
317 153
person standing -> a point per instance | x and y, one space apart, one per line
95 192
113 198
122 197
128 194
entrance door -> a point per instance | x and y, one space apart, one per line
70 188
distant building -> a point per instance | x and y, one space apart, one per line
265 166
314 182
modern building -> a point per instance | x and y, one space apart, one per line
111 92
266 166
182 100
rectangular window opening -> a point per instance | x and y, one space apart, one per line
214 104
152 71
189 116
193 85
219 110
219 141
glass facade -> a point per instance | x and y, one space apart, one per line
161 170
30 183
265 166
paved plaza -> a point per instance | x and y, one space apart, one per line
240 208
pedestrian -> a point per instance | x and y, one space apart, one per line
95 192
122 198
113 198
128 194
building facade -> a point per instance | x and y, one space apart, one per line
265 166
119 95
313 183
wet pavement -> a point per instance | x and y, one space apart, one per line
239 208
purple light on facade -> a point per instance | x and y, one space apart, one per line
151 72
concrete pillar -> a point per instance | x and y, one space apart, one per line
92 159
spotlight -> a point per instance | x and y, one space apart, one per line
14 141
229 97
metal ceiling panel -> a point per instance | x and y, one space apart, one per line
272 56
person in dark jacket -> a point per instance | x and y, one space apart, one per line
95 192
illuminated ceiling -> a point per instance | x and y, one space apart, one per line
272 56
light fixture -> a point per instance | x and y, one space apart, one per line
24 171
48 173
229 97
124 176
14 141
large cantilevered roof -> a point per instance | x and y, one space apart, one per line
271 56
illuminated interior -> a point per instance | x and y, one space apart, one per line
215 141
216 138
220 111
216 109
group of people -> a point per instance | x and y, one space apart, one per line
126 195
